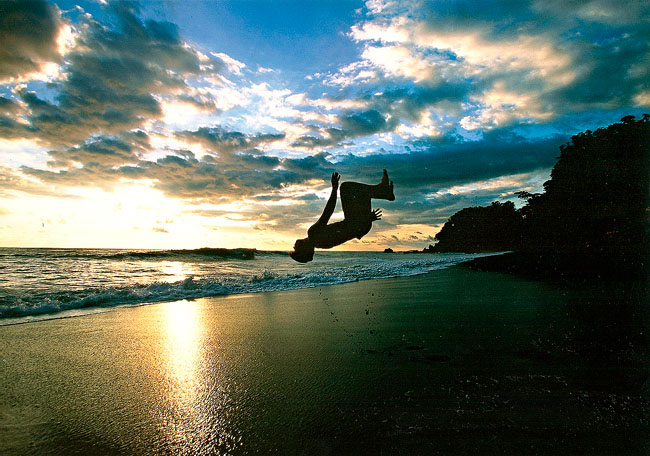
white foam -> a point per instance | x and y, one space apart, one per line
274 273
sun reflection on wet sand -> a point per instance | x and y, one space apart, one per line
183 340
197 418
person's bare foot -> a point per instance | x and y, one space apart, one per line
384 178
386 187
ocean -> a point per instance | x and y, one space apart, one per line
454 361
38 284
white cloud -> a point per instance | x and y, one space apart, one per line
643 98
400 61
498 107
233 65
426 126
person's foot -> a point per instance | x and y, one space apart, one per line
386 187
384 177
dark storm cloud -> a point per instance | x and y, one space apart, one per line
245 174
9 127
28 33
407 101
8 106
506 19
353 124
112 78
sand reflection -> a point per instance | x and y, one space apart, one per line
184 421
183 346
198 416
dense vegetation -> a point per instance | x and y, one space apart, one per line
481 229
595 203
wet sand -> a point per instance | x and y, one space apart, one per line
451 362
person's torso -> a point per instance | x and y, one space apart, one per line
328 236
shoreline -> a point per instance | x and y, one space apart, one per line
450 362
89 310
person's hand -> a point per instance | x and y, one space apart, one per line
335 179
375 215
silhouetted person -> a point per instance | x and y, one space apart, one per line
355 199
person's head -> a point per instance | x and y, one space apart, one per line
303 251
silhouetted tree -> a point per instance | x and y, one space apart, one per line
597 198
480 229
596 202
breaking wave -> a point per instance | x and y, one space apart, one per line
137 285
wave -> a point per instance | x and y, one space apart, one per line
202 254
38 304
180 254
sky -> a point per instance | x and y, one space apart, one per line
187 124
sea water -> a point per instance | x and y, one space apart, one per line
40 284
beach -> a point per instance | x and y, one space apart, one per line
454 361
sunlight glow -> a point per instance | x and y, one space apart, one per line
183 330
183 363
505 182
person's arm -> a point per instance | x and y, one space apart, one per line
331 202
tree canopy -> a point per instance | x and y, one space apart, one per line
595 202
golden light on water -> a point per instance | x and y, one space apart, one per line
174 271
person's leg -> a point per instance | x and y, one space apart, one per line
355 197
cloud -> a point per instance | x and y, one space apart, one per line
289 187
28 37
113 79
520 62
233 65
103 150
286 195
447 161
363 123
14 182
225 143
401 61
